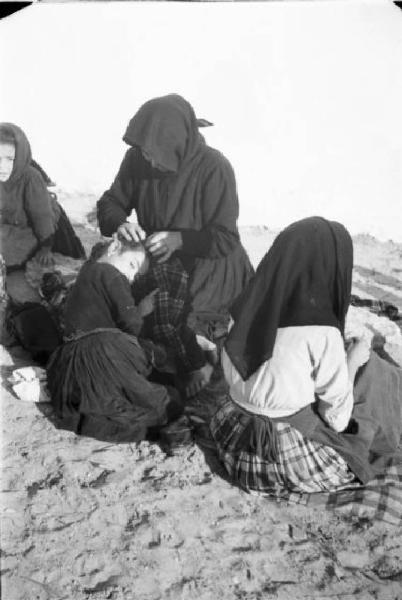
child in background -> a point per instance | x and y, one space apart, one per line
98 378
32 222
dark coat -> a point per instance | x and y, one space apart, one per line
175 182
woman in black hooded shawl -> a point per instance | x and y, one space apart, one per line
32 222
184 195
304 414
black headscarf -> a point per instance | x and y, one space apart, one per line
166 131
23 155
304 279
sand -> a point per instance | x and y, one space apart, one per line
83 519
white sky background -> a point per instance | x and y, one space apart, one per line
306 97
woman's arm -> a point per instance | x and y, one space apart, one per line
334 376
358 354
219 236
220 209
116 204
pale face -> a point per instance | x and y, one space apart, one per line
132 264
7 157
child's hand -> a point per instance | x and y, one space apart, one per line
358 352
147 304
198 380
44 257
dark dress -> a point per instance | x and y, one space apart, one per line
98 378
30 216
195 194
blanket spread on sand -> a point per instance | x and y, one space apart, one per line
380 499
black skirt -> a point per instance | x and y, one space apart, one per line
99 388
65 240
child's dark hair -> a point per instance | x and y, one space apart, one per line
100 248
7 135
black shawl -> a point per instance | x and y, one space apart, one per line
304 279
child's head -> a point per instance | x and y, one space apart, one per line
7 152
130 258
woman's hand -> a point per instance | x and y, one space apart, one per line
131 232
198 380
163 243
44 257
147 304
358 353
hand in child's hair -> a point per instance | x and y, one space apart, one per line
131 231
162 244
359 351
147 304
44 257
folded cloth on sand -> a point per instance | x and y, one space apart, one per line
29 384
379 307
380 499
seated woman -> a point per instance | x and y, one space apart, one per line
184 195
32 222
98 378
298 418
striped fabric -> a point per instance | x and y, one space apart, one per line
303 465
167 324
304 475
380 499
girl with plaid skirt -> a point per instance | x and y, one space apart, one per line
184 196
304 415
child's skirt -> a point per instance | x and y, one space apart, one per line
99 388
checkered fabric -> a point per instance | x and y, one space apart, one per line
380 499
303 465
307 473
167 323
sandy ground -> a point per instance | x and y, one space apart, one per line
83 519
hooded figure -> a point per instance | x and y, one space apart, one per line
176 183
304 414
31 219
304 279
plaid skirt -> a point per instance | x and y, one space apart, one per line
302 465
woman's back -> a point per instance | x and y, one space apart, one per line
100 298
307 362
